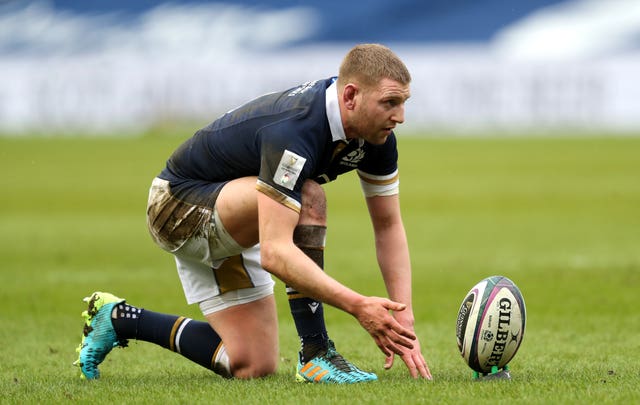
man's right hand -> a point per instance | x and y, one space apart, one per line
374 316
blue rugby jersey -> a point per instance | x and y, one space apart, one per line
283 138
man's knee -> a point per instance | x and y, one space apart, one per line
314 204
250 335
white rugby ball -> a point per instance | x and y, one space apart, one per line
490 324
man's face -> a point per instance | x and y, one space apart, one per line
379 110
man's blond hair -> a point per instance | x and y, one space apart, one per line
367 64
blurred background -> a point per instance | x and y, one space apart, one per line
479 66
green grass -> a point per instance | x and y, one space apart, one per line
559 216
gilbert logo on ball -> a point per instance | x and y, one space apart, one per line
490 324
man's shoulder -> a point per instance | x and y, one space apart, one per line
313 87
302 101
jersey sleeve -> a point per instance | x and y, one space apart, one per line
378 172
286 162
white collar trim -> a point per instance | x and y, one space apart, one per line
333 113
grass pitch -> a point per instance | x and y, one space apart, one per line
559 216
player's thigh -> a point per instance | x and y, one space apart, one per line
250 335
237 206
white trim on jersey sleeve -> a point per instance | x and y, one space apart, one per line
373 185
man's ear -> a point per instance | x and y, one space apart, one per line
349 95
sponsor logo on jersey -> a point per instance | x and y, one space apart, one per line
302 88
289 169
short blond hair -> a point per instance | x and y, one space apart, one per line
367 64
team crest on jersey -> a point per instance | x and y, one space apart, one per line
289 169
353 158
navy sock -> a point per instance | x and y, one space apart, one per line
195 340
125 320
308 314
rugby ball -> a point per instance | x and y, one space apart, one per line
490 324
